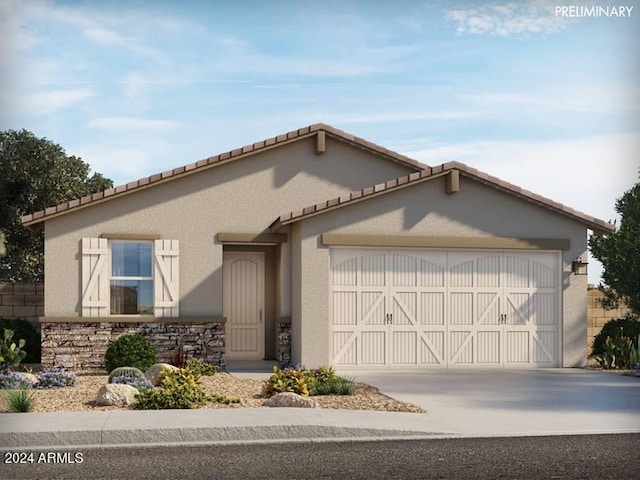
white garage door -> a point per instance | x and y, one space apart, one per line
417 308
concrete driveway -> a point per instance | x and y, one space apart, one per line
517 402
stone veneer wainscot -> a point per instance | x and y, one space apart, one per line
82 345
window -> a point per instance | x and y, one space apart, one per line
122 276
131 281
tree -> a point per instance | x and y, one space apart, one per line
619 252
35 173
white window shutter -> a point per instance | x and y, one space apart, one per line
166 278
95 277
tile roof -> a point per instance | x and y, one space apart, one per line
429 173
243 152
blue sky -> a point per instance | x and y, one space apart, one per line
550 103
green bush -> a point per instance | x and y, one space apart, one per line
201 368
178 389
21 400
628 326
23 330
334 386
131 350
294 380
11 353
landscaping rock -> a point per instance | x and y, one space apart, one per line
289 399
116 394
28 376
153 374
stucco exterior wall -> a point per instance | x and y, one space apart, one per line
425 209
243 196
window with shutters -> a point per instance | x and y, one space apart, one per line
131 282
127 277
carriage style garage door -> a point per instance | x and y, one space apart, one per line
420 308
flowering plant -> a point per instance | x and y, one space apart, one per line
13 381
141 384
55 377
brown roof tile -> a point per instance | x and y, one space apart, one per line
434 172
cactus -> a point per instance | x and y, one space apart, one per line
10 354
132 371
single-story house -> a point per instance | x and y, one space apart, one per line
321 248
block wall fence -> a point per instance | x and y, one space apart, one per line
26 300
598 316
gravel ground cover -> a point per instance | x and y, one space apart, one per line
81 396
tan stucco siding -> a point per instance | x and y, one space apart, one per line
425 209
241 196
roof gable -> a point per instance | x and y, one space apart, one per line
217 160
430 173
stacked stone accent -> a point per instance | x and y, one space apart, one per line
598 316
82 346
284 344
24 300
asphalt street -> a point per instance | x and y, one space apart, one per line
554 457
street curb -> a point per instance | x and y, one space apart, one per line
183 436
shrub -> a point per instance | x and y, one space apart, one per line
11 354
178 389
13 381
628 326
55 377
216 397
294 380
141 383
20 400
201 368
334 386
619 352
131 371
23 330
178 358
131 350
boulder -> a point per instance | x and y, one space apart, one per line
153 374
289 399
116 394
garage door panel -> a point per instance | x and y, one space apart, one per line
432 308
404 270
462 275
518 308
344 274
516 272
488 308
518 347
431 273
488 271
489 347
543 309
544 348
345 347
374 308
461 308
372 270
432 348
404 308
374 348
344 308
404 351
461 347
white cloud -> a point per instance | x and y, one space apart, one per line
129 123
55 100
587 174
509 19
